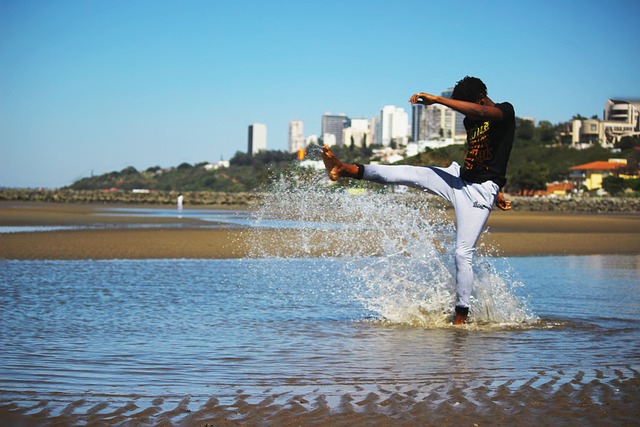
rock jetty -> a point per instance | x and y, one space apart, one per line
542 204
577 204
130 197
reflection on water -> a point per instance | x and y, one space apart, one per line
194 218
90 329
217 217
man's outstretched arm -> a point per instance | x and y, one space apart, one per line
472 110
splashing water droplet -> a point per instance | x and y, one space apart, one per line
398 250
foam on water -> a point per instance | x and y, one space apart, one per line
398 248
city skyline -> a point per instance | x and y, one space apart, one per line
94 87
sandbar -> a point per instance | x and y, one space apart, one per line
89 236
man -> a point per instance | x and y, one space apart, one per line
180 202
472 189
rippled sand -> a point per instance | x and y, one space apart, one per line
559 401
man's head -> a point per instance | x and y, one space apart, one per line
470 89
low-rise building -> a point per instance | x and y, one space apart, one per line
590 175
621 118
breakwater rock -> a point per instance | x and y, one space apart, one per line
541 204
577 204
130 197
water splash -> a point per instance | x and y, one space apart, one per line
398 250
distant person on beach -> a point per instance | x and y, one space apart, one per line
180 201
472 189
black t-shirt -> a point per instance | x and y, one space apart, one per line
489 147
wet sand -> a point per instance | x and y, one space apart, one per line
575 403
109 237
561 400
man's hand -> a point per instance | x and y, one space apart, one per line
423 98
502 203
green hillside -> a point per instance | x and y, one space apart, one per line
535 160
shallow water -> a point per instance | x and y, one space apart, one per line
348 340
204 219
123 331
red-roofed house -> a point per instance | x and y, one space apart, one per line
590 175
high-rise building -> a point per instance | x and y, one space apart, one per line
418 123
374 130
333 124
357 133
440 122
296 136
393 126
257 138
458 127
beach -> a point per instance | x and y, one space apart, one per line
87 235
112 317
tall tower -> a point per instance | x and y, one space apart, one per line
458 118
296 136
358 133
394 124
333 124
418 123
257 138
441 122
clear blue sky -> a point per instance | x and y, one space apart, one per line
93 86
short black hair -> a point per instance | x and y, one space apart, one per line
469 89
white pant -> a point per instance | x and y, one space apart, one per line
472 204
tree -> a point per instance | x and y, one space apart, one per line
241 159
525 129
129 171
613 185
628 142
529 176
546 132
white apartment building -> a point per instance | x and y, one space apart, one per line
441 122
311 140
296 136
329 139
257 138
393 126
357 133
621 118
374 129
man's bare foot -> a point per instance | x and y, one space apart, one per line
331 163
335 167
460 319
461 316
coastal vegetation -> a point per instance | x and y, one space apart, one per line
538 157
